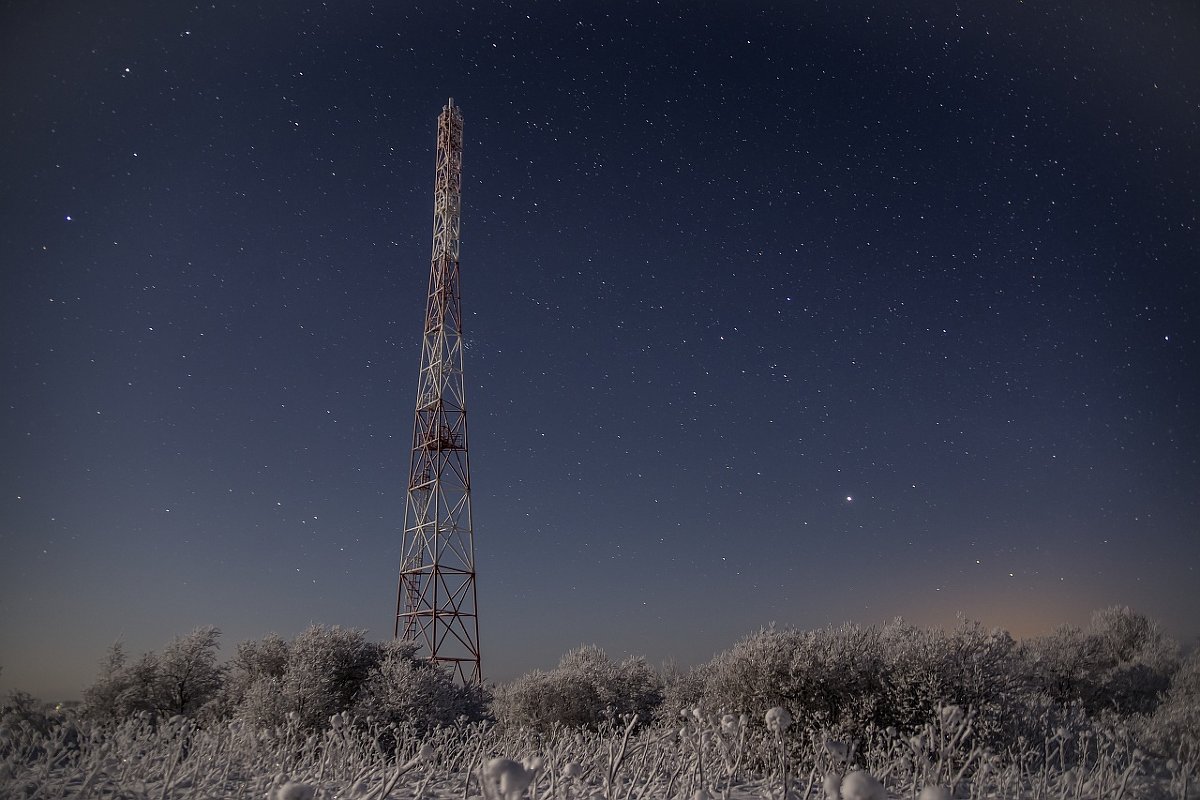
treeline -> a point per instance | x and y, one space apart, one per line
842 681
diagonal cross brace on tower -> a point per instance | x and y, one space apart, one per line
436 602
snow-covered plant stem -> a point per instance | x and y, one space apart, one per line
778 720
616 754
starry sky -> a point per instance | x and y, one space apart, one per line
797 312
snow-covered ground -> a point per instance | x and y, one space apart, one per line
704 756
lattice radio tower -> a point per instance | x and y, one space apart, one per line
436 603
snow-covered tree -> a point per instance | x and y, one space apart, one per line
122 688
188 675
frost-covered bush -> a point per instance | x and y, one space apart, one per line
1173 730
754 674
830 678
23 711
914 677
1122 662
1136 660
846 679
541 699
405 690
968 666
636 689
680 689
585 689
326 668
273 683
254 661
837 675
326 671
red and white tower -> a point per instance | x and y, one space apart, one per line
436 603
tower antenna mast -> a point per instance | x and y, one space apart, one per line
436 602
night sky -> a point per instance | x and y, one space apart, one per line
800 312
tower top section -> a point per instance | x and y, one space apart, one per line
447 186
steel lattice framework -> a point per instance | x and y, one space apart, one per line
436 602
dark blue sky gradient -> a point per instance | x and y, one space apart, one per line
798 312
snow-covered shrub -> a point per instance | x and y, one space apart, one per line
754 674
914 678
637 689
838 673
326 668
846 679
266 658
1122 662
969 666
829 678
1062 665
405 690
541 699
326 671
263 703
585 689
1136 659
1173 730
23 711
272 683
680 689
